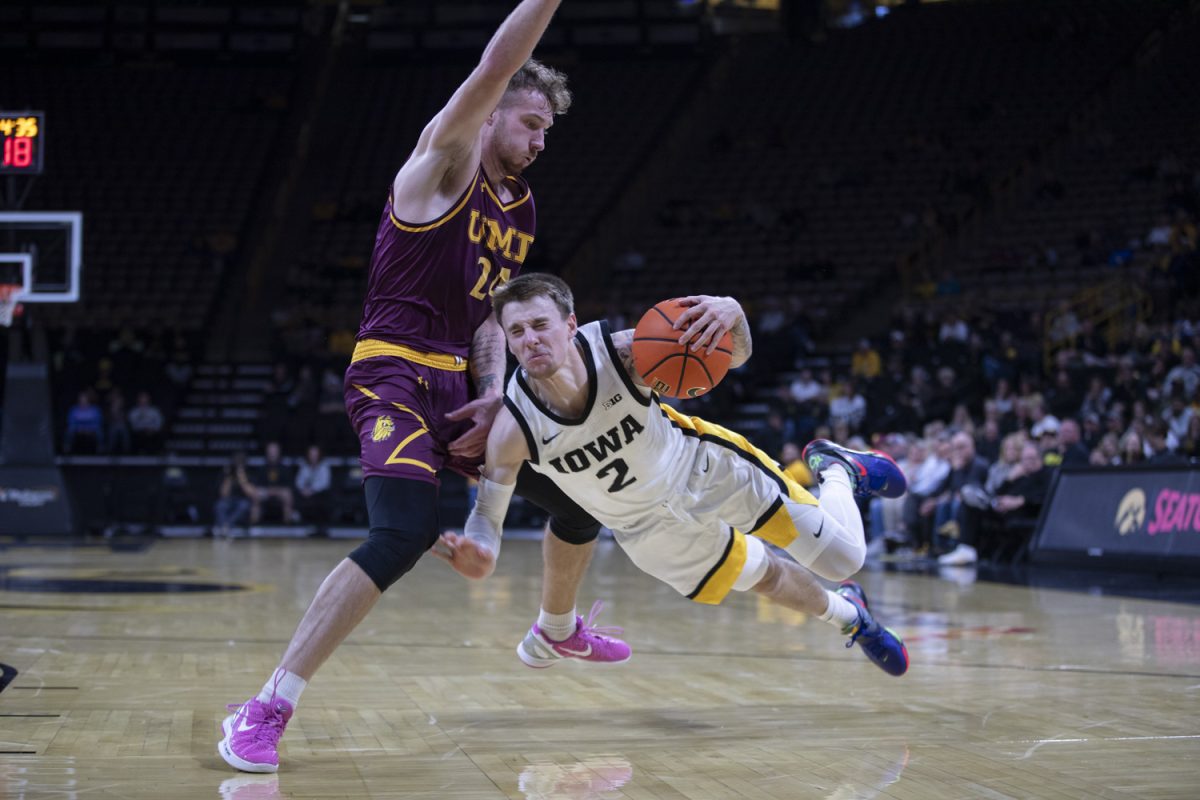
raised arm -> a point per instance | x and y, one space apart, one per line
474 553
448 150
709 318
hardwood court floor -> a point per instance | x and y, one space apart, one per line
1013 692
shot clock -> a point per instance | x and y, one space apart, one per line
21 134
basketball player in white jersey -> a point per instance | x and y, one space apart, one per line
689 501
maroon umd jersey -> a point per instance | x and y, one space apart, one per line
430 284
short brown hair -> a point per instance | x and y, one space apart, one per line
550 83
531 285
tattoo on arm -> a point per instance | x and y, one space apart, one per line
623 342
487 357
742 344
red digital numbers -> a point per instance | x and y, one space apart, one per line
18 153
21 133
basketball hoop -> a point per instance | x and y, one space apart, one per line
9 294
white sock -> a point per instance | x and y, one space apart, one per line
557 627
841 612
284 684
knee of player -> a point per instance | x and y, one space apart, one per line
772 576
846 561
387 555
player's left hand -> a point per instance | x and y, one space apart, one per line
466 556
707 319
482 412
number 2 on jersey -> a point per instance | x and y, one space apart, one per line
622 469
486 266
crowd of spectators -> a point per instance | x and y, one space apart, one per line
95 375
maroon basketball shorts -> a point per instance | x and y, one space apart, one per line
397 399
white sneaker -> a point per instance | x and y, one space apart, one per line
960 556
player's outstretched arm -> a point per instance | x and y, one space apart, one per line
448 150
473 553
709 319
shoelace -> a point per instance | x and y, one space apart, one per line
270 728
599 630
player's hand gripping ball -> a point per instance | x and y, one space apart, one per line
671 368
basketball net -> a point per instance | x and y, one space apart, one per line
8 302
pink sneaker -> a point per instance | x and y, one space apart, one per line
252 734
589 643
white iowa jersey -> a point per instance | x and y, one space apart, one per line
623 458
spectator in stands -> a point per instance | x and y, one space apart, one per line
233 497
1091 431
806 389
1019 499
951 518
313 481
793 464
1160 445
926 470
1130 450
1178 416
1071 450
989 441
1003 399
1062 400
178 371
146 423
846 406
1186 374
1190 446
865 364
1107 452
772 437
1097 399
272 482
85 426
1045 434
116 424
1002 467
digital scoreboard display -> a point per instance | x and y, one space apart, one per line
22 135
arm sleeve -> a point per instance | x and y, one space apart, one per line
485 523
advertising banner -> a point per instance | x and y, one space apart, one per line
1127 514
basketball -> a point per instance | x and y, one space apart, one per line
670 368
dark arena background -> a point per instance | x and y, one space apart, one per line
964 232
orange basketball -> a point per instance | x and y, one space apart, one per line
670 368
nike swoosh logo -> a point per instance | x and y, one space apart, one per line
580 653
242 727
820 530
551 439
706 465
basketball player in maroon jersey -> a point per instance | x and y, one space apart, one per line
426 377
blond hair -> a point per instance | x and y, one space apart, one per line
535 76
530 285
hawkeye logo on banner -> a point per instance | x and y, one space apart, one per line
1115 512
1131 514
1173 511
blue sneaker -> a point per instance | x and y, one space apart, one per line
871 472
880 644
